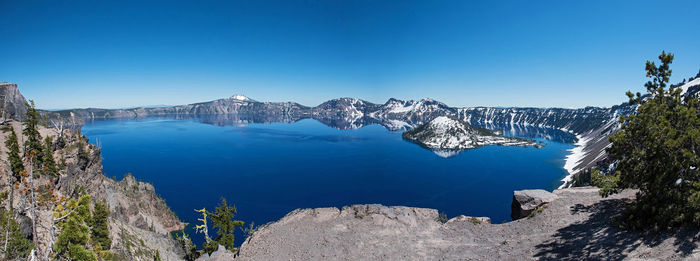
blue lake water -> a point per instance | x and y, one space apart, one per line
268 170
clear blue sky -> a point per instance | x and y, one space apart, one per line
112 54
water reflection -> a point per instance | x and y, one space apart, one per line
508 129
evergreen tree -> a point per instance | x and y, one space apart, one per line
157 256
49 162
17 245
72 242
100 227
223 221
13 155
31 130
191 252
656 151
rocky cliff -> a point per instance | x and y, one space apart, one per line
576 225
12 103
140 221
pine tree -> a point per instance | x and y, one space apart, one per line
157 256
191 252
17 245
16 164
13 155
223 221
100 228
656 151
31 130
49 163
72 242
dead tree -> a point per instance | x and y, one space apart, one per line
58 124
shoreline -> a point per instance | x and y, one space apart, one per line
571 161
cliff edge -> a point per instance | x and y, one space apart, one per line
576 225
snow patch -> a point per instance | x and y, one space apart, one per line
240 97
689 84
574 158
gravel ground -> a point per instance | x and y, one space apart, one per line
575 226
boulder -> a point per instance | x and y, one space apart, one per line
526 201
25 226
470 219
221 254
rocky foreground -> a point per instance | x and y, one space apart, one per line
576 224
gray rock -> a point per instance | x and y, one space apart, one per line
576 226
221 254
473 220
25 226
12 101
526 201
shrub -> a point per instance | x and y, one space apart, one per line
655 151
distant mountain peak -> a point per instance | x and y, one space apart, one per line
240 97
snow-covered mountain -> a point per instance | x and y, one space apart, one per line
448 133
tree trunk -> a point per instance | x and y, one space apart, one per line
34 214
7 226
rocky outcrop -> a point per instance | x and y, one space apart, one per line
132 243
527 201
12 103
475 220
221 254
575 226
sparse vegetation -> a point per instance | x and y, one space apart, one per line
537 211
191 252
606 183
474 220
442 217
15 245
250 230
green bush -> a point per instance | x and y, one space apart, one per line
656 152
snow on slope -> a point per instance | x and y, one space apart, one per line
690 84
240 97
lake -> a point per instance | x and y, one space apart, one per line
270 169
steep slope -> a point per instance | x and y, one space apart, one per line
140 220
591 145
13 104
412 112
